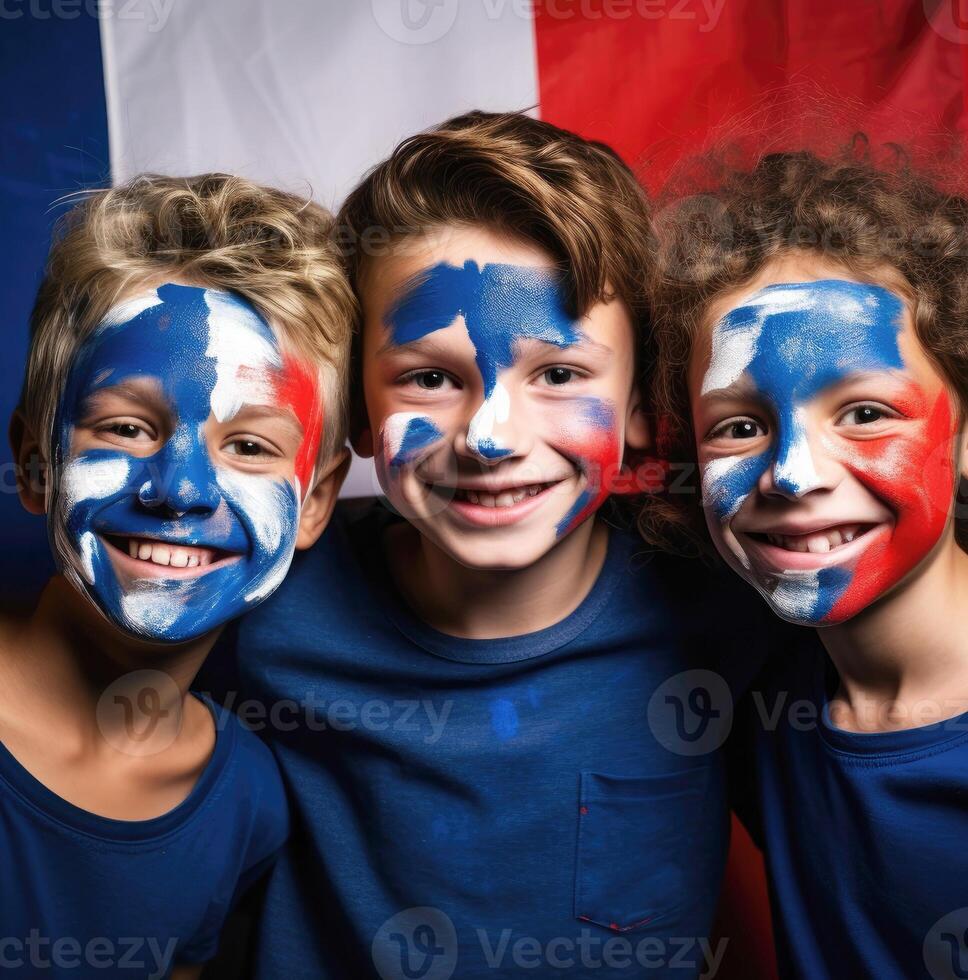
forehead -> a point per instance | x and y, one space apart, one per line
799 337
178 334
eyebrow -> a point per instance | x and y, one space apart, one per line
737 390
145 392
743 388
427 345
253 412
422 345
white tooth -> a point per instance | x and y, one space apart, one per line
487 500
132 547
179 558
818 544
505 499
519 495
160 554
473 497
144 550
192 561
849 536
835 538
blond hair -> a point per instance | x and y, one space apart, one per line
215 231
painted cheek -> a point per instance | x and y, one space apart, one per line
298 390
916 477
406 437
728 480
590 439
88 483
271 510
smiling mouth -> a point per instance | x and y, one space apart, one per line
504 498
815 542
814 549
500 506
166 557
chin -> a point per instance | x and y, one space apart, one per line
496 555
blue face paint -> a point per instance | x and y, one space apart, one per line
789 342
501 305
201 353
418 433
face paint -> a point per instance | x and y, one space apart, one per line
591 440
501 305
202 356
787 344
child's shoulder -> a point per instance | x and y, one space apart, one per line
250 779
255 759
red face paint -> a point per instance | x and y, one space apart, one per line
594 444
914 475
297 389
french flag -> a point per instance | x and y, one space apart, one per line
309 94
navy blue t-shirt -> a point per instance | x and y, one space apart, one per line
864 834
83 895
489 808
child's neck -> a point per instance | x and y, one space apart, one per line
65 656
903 662
488 604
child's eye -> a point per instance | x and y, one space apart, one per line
429 380
863 415
248 448
738 429
558 375
129 431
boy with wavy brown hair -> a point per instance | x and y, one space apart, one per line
814 362
181 427
485 761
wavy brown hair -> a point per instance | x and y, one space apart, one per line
214 230
867 215
572 197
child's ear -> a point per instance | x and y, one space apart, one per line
318 506
638 428
31 464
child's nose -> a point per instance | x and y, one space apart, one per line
181 478
798 465
494 432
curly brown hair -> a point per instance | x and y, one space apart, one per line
868 216
572 197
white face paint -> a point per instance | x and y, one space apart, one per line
245 359
824 435
185 434
494 411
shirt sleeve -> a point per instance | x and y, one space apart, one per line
262 836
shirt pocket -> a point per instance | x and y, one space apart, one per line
645 846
